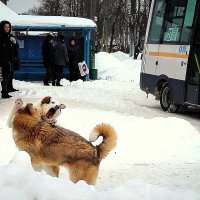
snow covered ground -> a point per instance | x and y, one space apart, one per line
157 156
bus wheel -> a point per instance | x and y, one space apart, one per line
165 100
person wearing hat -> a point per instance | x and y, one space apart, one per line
48 54
75 57
8 53
61 60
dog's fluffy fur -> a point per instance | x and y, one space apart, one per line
54 146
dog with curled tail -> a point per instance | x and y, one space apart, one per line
55 146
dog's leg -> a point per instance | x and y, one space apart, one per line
82 170
37 168
90 175
18 104
51 170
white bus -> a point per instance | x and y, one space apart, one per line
171 57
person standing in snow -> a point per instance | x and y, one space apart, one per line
8 53
48 54
16 65
75 57
61 60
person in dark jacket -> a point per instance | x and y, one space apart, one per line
75 57
8 48
16 65
48 54
61 60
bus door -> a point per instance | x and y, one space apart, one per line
193 72
153 43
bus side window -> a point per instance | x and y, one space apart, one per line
157 22
187 26
174 21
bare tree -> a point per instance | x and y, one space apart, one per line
121 24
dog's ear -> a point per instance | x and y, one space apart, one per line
62 106
28 108
46 100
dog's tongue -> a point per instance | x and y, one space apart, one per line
49 114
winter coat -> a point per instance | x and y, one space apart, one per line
7 47
75 56
48 54
61 54
8 50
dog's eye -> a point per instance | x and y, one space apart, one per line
53 102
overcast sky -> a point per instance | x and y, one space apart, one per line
20 6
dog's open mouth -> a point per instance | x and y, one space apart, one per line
51 113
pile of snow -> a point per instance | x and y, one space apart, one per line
121 56
18 180
117 67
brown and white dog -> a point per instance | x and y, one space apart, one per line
53 146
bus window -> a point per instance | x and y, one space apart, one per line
187 26
157 22
174 21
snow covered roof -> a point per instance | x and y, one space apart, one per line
33 22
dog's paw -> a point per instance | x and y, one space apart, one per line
18 103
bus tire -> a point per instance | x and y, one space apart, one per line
165 100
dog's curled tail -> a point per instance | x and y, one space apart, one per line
109 139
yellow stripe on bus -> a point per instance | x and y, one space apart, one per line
170 55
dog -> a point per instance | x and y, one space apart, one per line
49 108
54 146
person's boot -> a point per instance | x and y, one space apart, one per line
5 95
53 83
58 83
13 90
46 83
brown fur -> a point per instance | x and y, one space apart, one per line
46 100
54 146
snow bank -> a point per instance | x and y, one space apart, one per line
18 180
117 67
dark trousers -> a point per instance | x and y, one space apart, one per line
7 75
10 81
49 72
58 74
74 72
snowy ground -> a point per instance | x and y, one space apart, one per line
157 156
